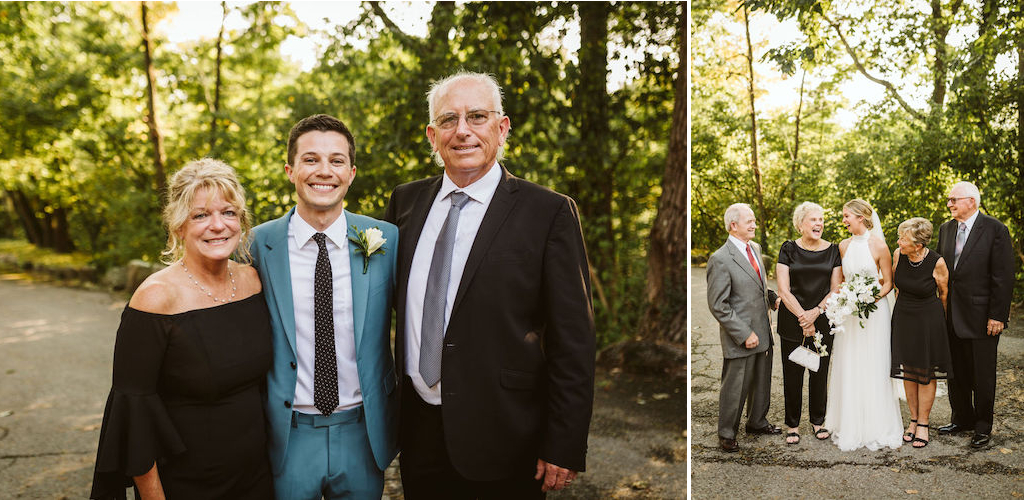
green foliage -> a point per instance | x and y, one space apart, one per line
902 161
75 159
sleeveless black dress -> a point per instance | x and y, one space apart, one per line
186 395
920 347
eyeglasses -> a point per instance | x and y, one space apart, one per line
474 117
954 199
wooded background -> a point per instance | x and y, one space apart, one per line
98 109
953 76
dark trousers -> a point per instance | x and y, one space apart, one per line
793 385
427 471
972 389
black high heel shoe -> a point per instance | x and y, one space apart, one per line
916 439
908 437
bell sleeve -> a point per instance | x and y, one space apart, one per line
137 430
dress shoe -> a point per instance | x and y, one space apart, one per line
980 440
767 430
728 445
953 429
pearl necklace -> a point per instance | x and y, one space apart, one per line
208 292
918 263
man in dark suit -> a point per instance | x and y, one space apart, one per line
739 298
495 334
980 290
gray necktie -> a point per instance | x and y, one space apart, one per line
961 238
436 297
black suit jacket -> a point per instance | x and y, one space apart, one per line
517 370
981 286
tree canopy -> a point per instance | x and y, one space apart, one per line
953 85
99 108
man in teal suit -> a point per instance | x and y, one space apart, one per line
328 280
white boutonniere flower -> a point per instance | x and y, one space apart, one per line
369 241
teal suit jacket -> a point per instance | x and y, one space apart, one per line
371 295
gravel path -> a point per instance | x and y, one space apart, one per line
56 347
766 467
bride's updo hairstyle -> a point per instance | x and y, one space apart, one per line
860 208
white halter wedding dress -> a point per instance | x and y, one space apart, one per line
862 409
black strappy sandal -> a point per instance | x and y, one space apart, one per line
819 437
792 434
908 437
920 440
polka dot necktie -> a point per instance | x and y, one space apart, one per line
435 298
325 364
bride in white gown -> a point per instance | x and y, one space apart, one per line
862 409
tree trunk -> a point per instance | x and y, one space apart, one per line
27 216
758 183
215 112
665 318
154 129
590 103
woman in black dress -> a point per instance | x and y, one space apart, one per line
184 418
809 268
920 348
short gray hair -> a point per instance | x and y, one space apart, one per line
802 210
732 214
440 87
970 190
917 229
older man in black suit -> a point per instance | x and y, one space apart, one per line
980 290
495 327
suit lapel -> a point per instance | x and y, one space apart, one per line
278 269
977 232
502 202
744 263
360 282
419 211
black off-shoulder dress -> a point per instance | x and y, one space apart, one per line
186 395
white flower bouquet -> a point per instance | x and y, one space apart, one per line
856 295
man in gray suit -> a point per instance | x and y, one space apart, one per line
739 298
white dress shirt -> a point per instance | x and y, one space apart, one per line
302 252
970 225
480 194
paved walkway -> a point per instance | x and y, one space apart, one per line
767 468
56 347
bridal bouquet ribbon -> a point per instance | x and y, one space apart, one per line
856 295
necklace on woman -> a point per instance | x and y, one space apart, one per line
918 263
208 292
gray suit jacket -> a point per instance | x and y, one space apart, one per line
739 300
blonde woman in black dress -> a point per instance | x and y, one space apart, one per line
920 348
184 418
808 269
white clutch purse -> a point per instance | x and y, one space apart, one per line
805 357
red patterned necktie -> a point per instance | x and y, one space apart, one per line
750 255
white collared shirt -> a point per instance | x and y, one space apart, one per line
302 253
970 224
480 194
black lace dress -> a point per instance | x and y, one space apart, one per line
186 395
